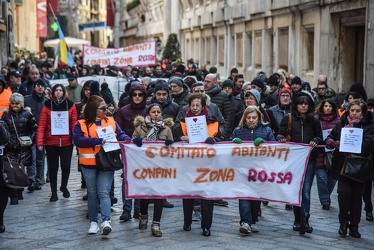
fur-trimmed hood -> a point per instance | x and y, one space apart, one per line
140 120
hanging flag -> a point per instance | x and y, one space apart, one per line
65 55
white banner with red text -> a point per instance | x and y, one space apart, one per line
271 171
137 55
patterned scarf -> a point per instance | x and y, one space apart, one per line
352 122
153 128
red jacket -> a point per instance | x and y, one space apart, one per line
44 136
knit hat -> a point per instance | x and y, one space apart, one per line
62 65
255 93
2 79
40 82
259 83
94 88
177 80
305 84
285 90
180 69
370 102
106 93
228 83
296 80
273 80
162 85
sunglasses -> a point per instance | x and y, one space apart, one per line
103 108
137 94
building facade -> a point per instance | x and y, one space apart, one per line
305 37
6 31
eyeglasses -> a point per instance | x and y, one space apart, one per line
103 108
137 94
199 91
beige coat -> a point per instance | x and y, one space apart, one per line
141 129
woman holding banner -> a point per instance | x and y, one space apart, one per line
253 128
98 183
350 191
304 128
198 107
152 128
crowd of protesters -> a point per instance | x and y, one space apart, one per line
154 105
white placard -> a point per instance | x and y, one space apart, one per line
2 149
196 129
108 134
60 122
351 140
325 133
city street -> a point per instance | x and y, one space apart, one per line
36 223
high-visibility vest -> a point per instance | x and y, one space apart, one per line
87 155
4 100
211 127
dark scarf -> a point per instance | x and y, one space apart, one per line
63 105
38 98
205 112
327 117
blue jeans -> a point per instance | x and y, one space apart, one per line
98 185
39 162
307 186
127 203
325 185
245 211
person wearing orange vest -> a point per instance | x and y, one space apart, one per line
4 95
197 107
98 183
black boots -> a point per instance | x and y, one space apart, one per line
304 224
343 229
296 223
353 231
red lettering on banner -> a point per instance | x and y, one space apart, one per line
268 151
155 173
263 176
220 175
121 60
146 58
180 153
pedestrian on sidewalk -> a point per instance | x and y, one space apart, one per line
152 128
98 183
58 144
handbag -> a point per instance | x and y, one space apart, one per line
108 161
356 168
14 174
327 159
24 141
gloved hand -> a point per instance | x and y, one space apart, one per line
258 141
168 142
210 140
138 141
280 138
330 143
237 140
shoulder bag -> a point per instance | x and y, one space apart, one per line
14 174
24 141
356 168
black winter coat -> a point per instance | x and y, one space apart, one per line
169 108
302 131
366 124
25 123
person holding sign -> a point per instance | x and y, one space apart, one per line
215 131
304 128
55 127
350 191
152 128
86 138
251 127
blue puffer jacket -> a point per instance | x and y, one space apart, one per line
246 134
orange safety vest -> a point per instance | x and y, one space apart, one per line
4 100
87 155
211 127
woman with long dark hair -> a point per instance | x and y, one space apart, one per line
305 128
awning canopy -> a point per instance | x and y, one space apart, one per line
70 41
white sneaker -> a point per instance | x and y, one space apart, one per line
254 228
106 228
94 228
245 228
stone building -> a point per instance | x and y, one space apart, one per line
305 37
6 31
